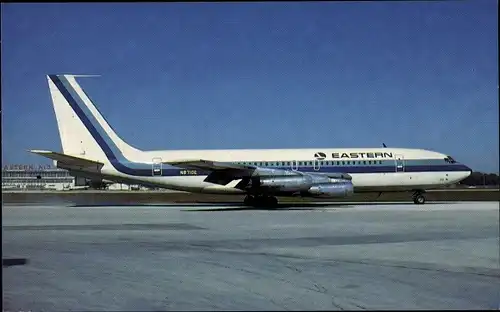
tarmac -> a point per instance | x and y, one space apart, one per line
96 197
317 256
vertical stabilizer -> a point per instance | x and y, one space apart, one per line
83 130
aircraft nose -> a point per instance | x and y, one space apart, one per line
468 170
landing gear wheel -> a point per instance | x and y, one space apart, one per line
249 200
272 202
419 199
263 201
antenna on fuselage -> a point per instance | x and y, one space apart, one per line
383 144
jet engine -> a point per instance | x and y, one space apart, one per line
341 189
288 183
307 185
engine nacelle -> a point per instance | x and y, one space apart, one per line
317 185
285 184
342 189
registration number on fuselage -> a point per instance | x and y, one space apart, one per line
188 172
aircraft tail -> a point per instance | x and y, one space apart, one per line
83 130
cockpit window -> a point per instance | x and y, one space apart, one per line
450 159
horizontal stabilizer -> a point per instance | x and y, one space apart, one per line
208 165
69 160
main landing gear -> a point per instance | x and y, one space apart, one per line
418 197
261 201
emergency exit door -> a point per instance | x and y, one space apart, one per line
316 164
157 167
400 163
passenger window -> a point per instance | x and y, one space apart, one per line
343 163
288 163
310 163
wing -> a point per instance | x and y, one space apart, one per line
210 165
220 172
223 172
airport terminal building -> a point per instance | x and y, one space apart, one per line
45 177
35 177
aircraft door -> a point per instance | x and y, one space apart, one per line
157 166
400 163
295 165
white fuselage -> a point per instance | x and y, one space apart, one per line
393 179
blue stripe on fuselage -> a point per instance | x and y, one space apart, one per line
120 163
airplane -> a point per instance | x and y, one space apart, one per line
92 149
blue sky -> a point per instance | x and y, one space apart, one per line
261 75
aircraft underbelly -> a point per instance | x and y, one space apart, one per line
406 179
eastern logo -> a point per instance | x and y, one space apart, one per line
320 156
362 155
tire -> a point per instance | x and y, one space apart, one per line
272 202
249 200
419 199
264 202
